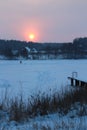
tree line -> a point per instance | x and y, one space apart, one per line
72 50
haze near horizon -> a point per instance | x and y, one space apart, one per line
45 21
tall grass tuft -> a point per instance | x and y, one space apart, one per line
44 104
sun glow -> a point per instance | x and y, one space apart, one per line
31 36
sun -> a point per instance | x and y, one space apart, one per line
31 36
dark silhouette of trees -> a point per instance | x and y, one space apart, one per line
73 50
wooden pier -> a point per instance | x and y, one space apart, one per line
77 83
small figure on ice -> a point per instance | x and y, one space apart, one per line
20 61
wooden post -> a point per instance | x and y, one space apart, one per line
76 82
72 82
82 84
86 84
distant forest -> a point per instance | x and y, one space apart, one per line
14 49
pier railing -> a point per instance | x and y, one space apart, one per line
77 82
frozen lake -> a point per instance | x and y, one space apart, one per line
43 75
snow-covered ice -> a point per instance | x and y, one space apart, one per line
38 75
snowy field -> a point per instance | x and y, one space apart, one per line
33 76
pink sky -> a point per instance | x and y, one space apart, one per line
50 20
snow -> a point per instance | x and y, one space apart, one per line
53 122
34 50
40 75
28 49
2 57
15 52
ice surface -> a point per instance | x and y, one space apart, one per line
43 75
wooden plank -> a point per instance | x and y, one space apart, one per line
77 82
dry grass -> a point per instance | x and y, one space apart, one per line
43 104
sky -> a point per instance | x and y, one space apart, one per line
47 20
